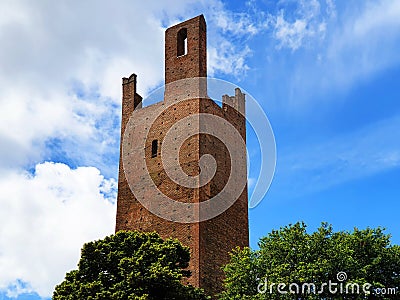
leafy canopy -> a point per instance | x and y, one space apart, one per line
130 265
291 255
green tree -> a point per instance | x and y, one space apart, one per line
130 265
308 260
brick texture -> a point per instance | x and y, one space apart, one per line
211 240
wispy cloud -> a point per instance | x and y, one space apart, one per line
228 33
227 59
303 26
333 50
364 44
356 155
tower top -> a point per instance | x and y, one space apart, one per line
172 138
186 50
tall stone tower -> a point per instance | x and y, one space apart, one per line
185 97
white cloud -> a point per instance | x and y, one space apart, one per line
235 23
290 35
226 59
331 8
45 219
48 48
364 44
378 15
61 65
304 24
228 33
331 49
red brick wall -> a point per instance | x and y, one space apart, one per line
131 215
211 240
218 236
194 64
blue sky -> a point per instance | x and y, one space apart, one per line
325 72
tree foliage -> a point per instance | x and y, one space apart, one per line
291 255
130 265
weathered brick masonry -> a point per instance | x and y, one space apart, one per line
211 240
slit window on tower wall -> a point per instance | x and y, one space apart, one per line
182 42
154 148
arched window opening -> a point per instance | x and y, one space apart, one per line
154 148
182 42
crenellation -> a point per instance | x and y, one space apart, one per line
211 240
237 101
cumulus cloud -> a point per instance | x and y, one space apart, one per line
61 68
45 219
61 65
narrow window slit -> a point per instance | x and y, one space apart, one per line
154 148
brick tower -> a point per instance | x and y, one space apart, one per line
209 240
